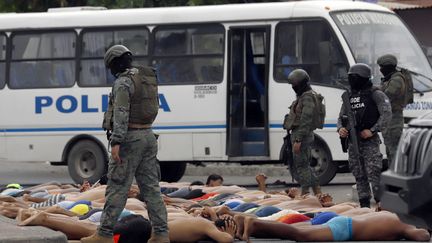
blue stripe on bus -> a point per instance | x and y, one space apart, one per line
79 129
189 127
280 125
53 129
75 129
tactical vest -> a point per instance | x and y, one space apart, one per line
293 119
144 102
365 109
400 102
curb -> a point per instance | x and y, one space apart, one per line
229 169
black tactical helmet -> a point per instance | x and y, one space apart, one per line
387 60
297 76
113 52
361 69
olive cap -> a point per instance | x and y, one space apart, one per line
297 76
387 60
113 52
361 69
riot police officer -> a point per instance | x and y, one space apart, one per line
393 86
300 122
370 112
132 109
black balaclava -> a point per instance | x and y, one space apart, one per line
301 87
120 64
387 71
358 83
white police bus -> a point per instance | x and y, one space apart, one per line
222 72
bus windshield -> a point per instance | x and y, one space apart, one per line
373 34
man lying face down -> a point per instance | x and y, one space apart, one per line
135 228
197 229
190 229
381 226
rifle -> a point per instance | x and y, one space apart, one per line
286 155
351 124
344 141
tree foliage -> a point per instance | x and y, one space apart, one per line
44 5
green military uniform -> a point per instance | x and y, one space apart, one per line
300 122
138 149
394 87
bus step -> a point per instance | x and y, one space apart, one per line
253 148
254 134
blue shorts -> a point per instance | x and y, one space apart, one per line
323 217
341 228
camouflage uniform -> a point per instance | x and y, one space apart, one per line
138 149
367 167
300 121
394 87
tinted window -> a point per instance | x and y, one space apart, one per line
94 45
189 54
43 60
373 34
312 46
2 60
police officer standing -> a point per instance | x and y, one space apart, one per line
300 123
370 112
133 107
393 86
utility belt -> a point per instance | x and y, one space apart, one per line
136 126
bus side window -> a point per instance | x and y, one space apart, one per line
39 56
189 54
93 72
2 60
312 46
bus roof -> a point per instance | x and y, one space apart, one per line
169 15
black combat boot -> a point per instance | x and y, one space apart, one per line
364 203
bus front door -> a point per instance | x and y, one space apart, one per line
247 109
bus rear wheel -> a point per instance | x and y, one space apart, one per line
86 161
323 165
172 171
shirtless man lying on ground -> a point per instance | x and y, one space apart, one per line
192 229
381 226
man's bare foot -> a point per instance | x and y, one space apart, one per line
248 228
261 178
325 199
239 220
85 186
293 192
